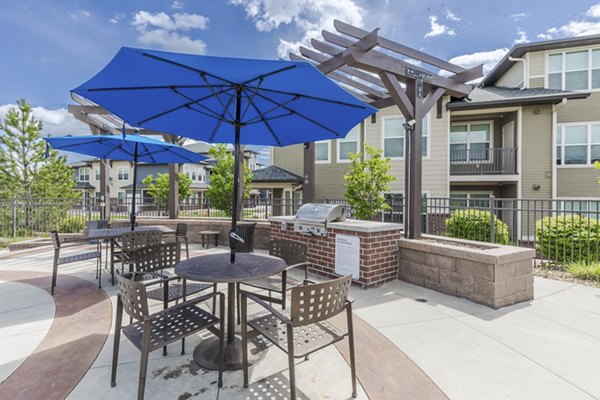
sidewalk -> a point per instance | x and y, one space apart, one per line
412 343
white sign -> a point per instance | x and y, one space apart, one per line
347 255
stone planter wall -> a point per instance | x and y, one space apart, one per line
493 275
261 233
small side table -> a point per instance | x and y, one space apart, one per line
205 235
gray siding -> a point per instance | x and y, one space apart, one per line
584 110
537 63
536 155
577 182
536 83
513 77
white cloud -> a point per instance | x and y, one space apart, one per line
518 16
594 11
522 37
177 5
163 30
116 18
437 29
489 59
57 122
587 24
452 16
309 16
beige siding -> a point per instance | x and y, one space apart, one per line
577 182
536 152
290 158
536 83
584 110
513 78
435 165
537 63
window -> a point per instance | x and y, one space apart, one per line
120 197
84 174
574 70
470 142
194 176
348 145
322 151
578 144
585 208
469 200
123 173
393 137
97 174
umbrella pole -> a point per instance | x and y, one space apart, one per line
236 175
135 158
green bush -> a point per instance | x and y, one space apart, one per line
567 239
70 225
475 225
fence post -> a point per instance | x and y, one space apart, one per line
14 217
492 220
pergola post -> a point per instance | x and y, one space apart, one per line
173 191
386 78
308 185
105 190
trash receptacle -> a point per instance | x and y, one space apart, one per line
246 231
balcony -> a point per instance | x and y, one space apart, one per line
501 161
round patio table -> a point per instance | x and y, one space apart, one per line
216 268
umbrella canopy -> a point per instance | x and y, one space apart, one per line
225 100
133 148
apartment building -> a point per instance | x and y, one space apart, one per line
530 129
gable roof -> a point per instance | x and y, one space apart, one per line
521 49
495 96
275 174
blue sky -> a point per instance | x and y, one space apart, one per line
49 47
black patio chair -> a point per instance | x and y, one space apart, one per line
72 258
303 330
131 241
294 254
150 332
181 234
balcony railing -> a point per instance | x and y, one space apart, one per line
501 161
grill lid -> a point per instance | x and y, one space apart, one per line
321 213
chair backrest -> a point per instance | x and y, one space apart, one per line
55 239
136 239
93 225
317 302
181 229
102 224
133 297
290 251
156 257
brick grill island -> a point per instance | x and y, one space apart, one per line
378 247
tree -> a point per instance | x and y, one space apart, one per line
26 168
220 189
366 181
159 189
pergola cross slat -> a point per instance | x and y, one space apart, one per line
387 78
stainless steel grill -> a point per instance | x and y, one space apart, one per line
312 218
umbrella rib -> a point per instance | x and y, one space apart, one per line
192 101
217 96
220 121
263 76
266 122
302 116
216 115
259 120
108 89
157 58
278 106
250 98
343 103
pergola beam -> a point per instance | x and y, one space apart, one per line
399 95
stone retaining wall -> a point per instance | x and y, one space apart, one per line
492 275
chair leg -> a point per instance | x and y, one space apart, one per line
239 297
292 364
117 341
187 248
221 337
244 304
351 348
214 309
144 360
99 271
54 273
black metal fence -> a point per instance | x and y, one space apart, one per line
561 231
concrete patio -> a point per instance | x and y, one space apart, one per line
412 343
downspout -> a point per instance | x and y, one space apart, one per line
555 109
525 72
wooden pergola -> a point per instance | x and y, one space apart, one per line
384 73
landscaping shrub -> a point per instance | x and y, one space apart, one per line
568 238
70 225
475 225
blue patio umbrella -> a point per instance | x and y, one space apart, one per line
225 100
134 148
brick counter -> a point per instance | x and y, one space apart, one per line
378 247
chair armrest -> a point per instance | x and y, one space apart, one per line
151 278
305 265
200 299
263 304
